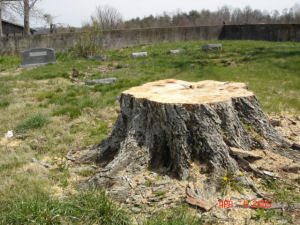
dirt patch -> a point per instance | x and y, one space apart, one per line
33 168
14 72
275 163
9 142
288 126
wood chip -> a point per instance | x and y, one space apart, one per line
268 173
190 190
203 204
70 158
286 206
244 154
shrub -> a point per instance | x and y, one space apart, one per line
88 43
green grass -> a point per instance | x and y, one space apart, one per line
271 216
71 111
85 207
55 115
282 192
230 181
174 217
5 89
4 104
33 122
269 69
7 62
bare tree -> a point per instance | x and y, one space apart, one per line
26 17
107 17
49 19
25 9
297 13
1 32
28 6
3 3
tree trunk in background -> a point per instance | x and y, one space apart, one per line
1 30
26 17
171 123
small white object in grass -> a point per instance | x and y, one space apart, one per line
176 51
268 173
46 165
9 134
139 54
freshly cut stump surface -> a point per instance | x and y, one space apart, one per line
171 123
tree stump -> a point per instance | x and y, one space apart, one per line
171 123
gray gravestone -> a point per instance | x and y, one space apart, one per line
209 47
177 51
138 54
101 81
37 57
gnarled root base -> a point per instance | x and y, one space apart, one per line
153 134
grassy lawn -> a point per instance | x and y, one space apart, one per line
52 115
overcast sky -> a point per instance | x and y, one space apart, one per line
74 12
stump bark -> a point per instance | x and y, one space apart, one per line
171 123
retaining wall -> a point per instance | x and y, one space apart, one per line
120 38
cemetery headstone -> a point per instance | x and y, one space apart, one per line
101 81
37 57
209 47
177 51
139 54
192 66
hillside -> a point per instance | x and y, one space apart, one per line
52 114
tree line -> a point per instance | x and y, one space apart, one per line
110 18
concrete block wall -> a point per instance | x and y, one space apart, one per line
121 38
263 32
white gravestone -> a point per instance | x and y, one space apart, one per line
176 51
139 54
